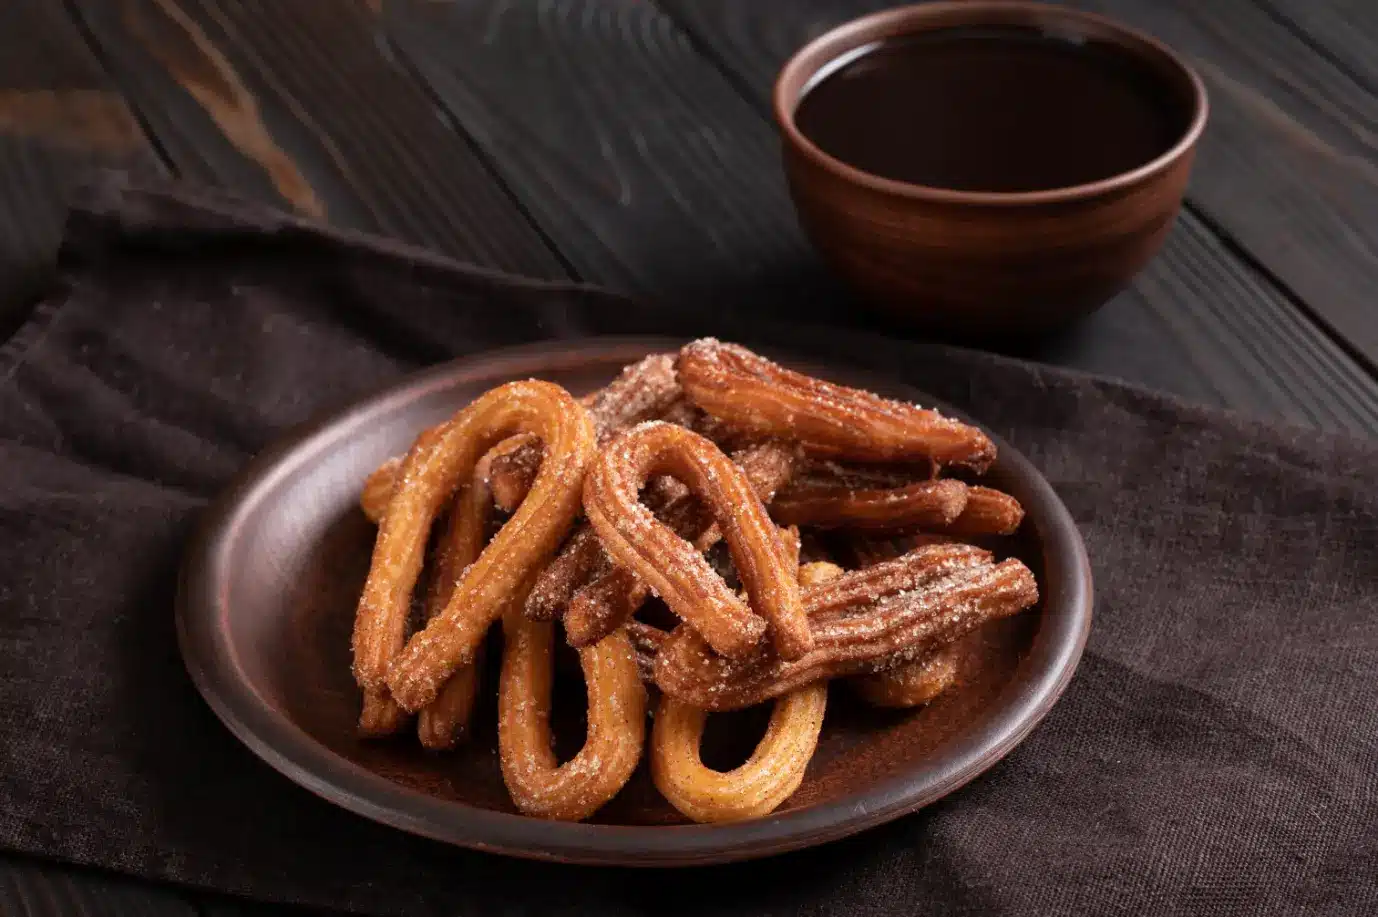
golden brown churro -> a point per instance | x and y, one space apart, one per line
769 777
613 596
616 722
987 512
772 773
414 673
891 632
678 573
908 685
816 470
380 716
751 393
856 589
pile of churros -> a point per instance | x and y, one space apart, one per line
720 484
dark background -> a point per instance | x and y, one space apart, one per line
628 143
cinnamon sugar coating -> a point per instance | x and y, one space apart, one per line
754 395
888 633
672 567
415 672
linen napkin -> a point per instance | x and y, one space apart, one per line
1217 752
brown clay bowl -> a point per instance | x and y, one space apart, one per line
266 606
985 263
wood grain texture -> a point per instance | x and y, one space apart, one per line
1345 30
1198 322
1287 164
302 104
59 118
633 152
1288 167
32 889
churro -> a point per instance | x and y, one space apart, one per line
772 773
679 455
538 785
757 396
414 673
611 597
441 724
910 685
674 569
891 632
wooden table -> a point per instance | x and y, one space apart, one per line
628 143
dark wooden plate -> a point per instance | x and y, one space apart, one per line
267 602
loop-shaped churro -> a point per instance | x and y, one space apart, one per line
414 673
538 785
757 396
772 773
612 597
673 568
891 632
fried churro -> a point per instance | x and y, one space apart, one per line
772 773
681 453
754 395
572 791
613 596
415 672
891 632
673 568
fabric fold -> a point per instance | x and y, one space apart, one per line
1215 754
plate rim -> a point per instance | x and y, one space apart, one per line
1042 677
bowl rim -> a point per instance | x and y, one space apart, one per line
856 36
210 657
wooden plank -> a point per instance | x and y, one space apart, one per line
1344 30
1289 164
59 118
301 103
1198 321
633 152
32 889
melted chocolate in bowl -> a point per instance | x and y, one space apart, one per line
993 109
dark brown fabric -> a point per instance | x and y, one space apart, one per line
1217 752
